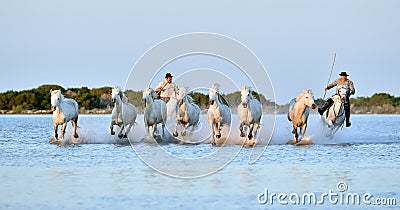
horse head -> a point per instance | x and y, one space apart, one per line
213 93
307 98
343 92
245 95
148 95
115 93
56 99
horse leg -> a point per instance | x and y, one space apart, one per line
120 132
75 124
183 132
256 126
163 127
175 133
218 130
56 132
296 135
154 130
127 130
193 127
147 130
303 130
112 127
64 126
212 134
251 131
242 134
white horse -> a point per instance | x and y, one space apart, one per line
218 113
123 114
173 101
299 110
249 112
187 114
155 111
334 116
64 110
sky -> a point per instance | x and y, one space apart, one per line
96 43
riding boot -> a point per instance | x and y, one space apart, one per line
347 114
328 103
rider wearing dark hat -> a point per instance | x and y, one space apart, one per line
340 82
166 88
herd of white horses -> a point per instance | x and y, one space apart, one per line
187 113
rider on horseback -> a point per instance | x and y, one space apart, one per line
166 88
340 82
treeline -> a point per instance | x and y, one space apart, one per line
39 98
379 103
100 99
96 98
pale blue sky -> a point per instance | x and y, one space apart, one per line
95 43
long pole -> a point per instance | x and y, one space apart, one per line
330 75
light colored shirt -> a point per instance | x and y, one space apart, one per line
339 83
169 90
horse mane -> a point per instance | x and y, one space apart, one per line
335 98
298 98
123 97
189 98
222 100
215 87
53 92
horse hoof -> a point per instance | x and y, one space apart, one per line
120 136
250 137
218 136
183 133
76 136
175 134
125 136
242 135
112 132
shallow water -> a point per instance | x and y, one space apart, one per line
102 173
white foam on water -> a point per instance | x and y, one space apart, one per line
91 132
98 132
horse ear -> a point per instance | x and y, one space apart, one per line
51 90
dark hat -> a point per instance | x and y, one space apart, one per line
168 75
343 73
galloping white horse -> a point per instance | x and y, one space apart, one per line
123 114
299 111
175 98
155 111
187 114
334 116
64 110
249 112
218 114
